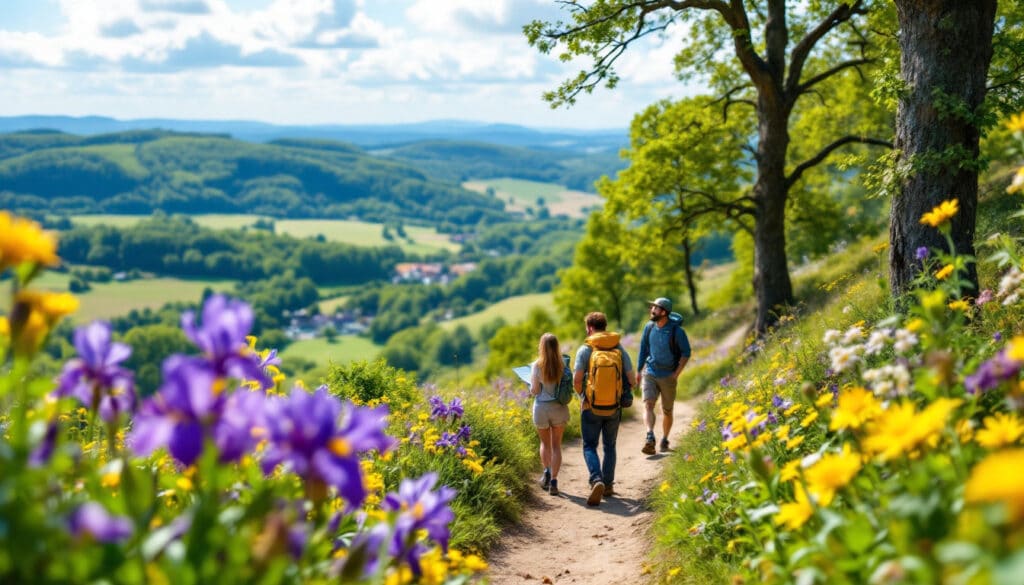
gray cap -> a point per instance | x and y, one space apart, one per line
661 302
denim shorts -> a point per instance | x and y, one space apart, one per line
550 414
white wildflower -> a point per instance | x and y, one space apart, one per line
852 335
877 341
905 340
831 337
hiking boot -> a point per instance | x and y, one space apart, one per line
648 445
608 492
545 480
664 445
554 487
596 491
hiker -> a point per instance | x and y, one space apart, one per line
602 376
664 351
549 416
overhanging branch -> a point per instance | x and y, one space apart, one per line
823 154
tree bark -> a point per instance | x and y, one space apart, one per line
691 283
772 285
946 48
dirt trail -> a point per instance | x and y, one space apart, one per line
562 540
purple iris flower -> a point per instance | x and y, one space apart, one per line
221 338
94 378
781 403
187 408
702 426
997 336
270 360
992 373
464 432
438 409
419 508
447 441
319 438
42 453
455 409
93 520
372 542
921 253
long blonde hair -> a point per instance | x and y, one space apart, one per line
549 359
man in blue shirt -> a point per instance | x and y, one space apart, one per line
603 424
664 351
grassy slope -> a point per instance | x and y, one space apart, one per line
522 194
347 348
512 309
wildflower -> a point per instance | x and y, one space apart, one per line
95 378
1010 286
832 472
889 380
92 520
44 450
1015 349
222 339
900 429
941 213
1016 123
984 297
921 253
1000 430
831 337
790 470
319 439
991 373
23 240
186 409
793 515
794 442
856 406
420 509
904 340
999 478
944 272
959 305
1017 184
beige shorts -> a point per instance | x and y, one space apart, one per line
652 388
550 414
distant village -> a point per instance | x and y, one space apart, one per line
304 325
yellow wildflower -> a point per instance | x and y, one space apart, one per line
790 470
1000 430
794 442
664 487
959 305
915 325
795 514
944 272
5 327
1015 349
1017 184
824 400
941 213
782 433
830 473
899 429
810 418
23 240
999 478
706 477
856 407
1016 123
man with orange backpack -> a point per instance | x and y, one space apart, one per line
603 377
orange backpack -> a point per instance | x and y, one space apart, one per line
604 374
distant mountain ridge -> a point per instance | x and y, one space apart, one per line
365 135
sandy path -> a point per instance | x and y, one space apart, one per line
562 540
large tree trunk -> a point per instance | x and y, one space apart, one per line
772 286
946 48
691 282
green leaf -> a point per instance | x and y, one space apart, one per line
858 534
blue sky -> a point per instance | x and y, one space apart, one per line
306 62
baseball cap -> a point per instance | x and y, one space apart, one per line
661 302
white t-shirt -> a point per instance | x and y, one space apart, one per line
547 391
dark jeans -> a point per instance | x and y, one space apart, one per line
605 428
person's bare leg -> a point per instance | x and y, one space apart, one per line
649 416
545 447
556 450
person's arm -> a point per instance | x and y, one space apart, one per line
578 369
627 366
684 348
535 380
645 351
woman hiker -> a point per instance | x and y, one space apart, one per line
549 416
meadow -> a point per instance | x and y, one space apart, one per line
343 350
420 240
521 194
512 310
115 299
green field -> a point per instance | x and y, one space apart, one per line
345 349
359 233
520 195
512 309
330 306
114 299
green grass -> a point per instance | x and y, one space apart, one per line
330 306
359 233
521 195
512 309
114 299
526 191
345 349
121 154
